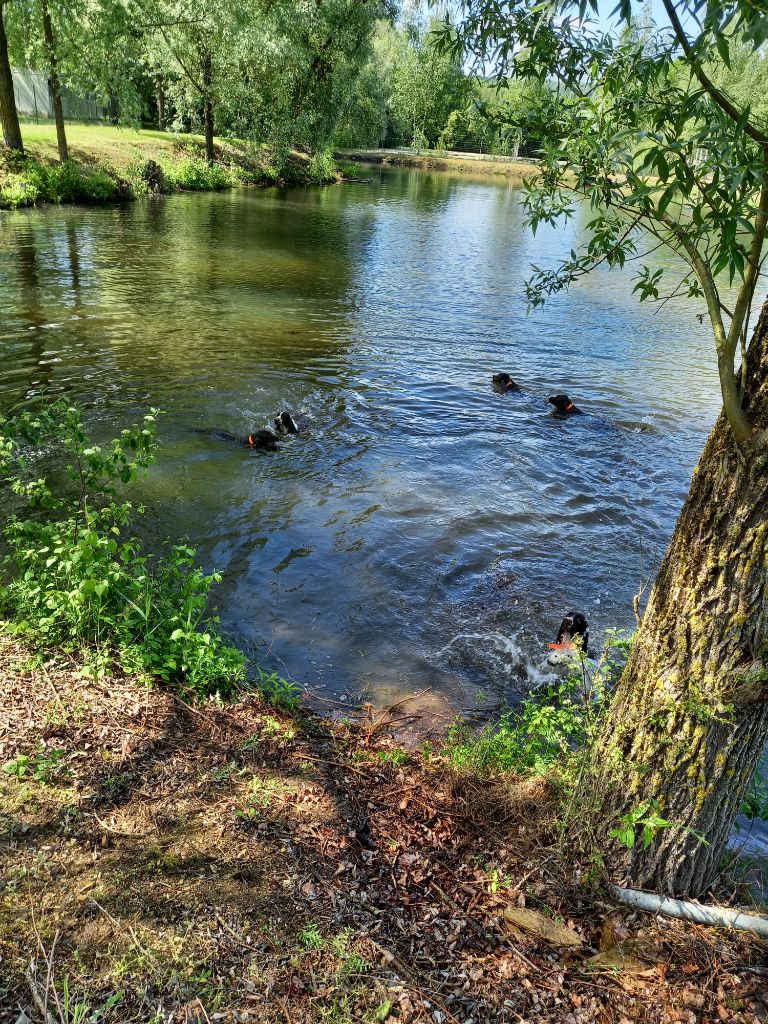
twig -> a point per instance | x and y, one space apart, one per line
53 688
643 587
199 1003
38 999
119 832
231 931
748 969
120 926
431 998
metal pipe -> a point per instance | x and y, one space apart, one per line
717 917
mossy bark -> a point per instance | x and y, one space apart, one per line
690 716
8 114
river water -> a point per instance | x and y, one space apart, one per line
422 531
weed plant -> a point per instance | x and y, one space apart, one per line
553 727
32 182
75 576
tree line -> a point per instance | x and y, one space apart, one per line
335 72
280 73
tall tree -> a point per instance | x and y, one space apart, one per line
8 113
52 62
662 153
425 84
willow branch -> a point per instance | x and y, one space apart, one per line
717 95
740 425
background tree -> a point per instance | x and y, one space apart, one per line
666 157
54 84
8 114
425 84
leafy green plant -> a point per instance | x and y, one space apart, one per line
45 766
73 1010
644 820
755 802
310 937
195 175
395 757
76 578
278 691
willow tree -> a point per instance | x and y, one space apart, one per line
666 158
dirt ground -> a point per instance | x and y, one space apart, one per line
168 863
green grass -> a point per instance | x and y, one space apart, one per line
107 163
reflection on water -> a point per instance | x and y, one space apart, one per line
423 531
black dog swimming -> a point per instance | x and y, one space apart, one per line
572 637
502 383
564 407
261 440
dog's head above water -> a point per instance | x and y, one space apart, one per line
572 636
503 382
563 405
285 423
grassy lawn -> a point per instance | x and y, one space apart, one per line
92 145
110 164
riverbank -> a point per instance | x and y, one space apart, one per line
108 163
239 862
464 164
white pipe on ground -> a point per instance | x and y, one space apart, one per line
717 917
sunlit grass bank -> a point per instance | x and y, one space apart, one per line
109 163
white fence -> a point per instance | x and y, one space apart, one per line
33 99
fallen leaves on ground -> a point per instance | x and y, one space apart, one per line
233 863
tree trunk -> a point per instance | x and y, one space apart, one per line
53 79
210 155
8 114
690 715
160 103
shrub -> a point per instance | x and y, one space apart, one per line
18 190
59 183
194 175
549 726
75 576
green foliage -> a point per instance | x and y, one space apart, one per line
396 757
281 692
45 766
310 937
645 819
59 183
423 84
80 1010
755 803
76 578
550 727
195 175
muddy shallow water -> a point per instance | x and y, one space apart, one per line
422 531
